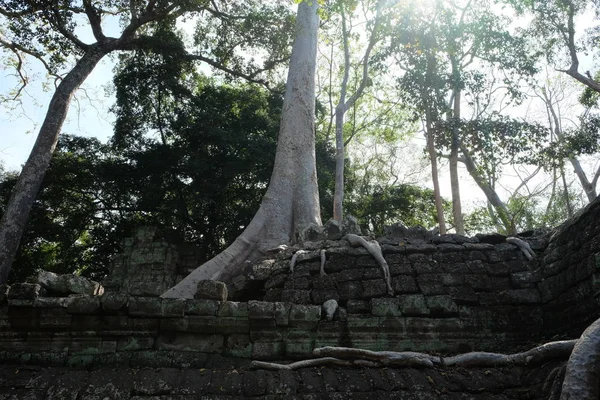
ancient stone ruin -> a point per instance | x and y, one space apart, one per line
324 326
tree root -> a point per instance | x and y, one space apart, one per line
582 377
294 259
535 356
523 245
346 356
375 250
323 259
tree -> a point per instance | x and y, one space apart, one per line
554 30
552 95
343 104
449 54
291 202
47 32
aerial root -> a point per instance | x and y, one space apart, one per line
346 356
523 245
323 259
375 250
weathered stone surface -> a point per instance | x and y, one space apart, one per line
211 290
83 304
145 306
112 301
304 316
441 305
25 291
333 230
412 305
68 284
386 307
201 307
350 225
330 307
312 233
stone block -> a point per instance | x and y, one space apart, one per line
297 283
211 290
296 296
319 296
51 302
173 307
202 324
260 309
441 305
478 282
68 284
523 296
304 316
229 325
145 306
238 346
54 318
412 305
190 342
25 291
282 313
463 295
276 281
373 288
359 306
174 324
201 307
273 294
233 309
363 323
268 350
83 304
111 301
263 269
526 279
404 284
324 282
134 343
385 307
431 284
299 343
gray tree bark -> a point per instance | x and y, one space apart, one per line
291 202
582 378
503 213
14 219
343 106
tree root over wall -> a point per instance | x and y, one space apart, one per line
582 377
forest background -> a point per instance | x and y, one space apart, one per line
478 87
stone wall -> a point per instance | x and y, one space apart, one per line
569 278
452 295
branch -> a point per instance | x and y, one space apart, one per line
14 47
573 69
595 180
58 23
365 77
95 21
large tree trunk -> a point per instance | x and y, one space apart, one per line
454 145
291 202
429 120
439 207
14 219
